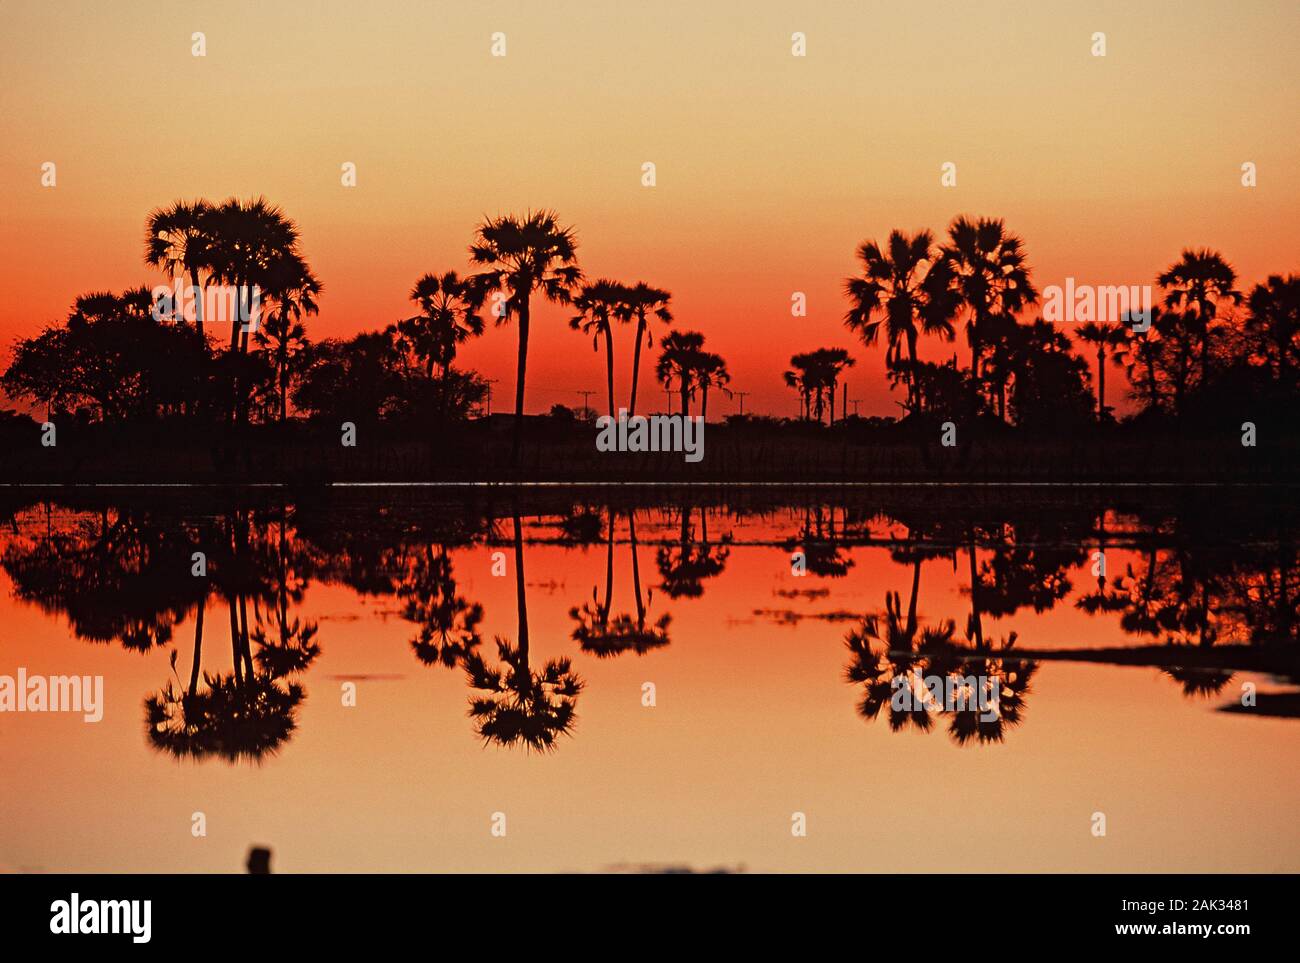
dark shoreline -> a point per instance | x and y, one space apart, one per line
307 455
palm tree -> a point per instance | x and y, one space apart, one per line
678 358
800 377
641 301
284 340
991 279
178 240
1102 335
292 291
448 317
1138 355
520 705
912 285
597 305
250 241
828 365
1195 284
711 372
1275 319
523 255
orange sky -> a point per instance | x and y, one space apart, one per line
771 168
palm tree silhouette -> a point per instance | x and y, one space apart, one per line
1102 335
711 372
911 301
598 305
642 302
448 317
1196 284
829 364
282 335
1274 319
678 358
1138 355
249 240
518 705
991 278
802 377
523 255
178 240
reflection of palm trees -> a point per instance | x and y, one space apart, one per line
888 656
519 705
684 567
249 712
819 542
125 579
448 621
243 715
601 634
1173 599
885 648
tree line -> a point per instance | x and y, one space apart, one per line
1208 347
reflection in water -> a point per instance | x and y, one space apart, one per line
515 704
1201 595
603 635
250 711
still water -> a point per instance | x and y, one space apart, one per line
400 680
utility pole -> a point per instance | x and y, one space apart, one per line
854 402
585 407
490 383
668 393
742 395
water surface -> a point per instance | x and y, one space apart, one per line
503 650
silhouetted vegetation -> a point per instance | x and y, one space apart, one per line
139 384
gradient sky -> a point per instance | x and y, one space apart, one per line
771 168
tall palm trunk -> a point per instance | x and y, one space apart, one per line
521 600
686 393
609 365
234 643
198 646
609 573
977 627
1101 383
520 370
636 568
704 401
911 372
911 604
636 360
